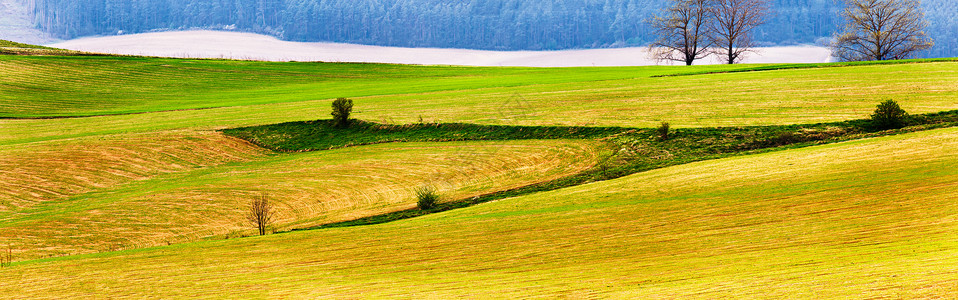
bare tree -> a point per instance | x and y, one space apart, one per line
881 30
681 31
731 25
6 259
260 213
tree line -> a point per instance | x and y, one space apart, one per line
689 30
474 24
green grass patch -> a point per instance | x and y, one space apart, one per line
323 135
36 87
774 67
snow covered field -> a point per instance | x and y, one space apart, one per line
236 45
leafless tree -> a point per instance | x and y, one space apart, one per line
260 213
881 30
6 259
681 31
731 24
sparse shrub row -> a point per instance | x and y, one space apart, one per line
641 150
329 134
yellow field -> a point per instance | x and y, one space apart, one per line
865 219
88 164
135 191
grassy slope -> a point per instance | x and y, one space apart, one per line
140 191
869 218
91 164
264 93
77 86
12 44
14 48
735 99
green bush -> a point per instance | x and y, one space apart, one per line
428 197
342 107
663 131
889 115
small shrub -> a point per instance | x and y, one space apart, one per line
786 138
342 107
663 131
427 196
889 115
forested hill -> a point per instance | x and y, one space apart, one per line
475 24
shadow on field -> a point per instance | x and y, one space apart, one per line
635 149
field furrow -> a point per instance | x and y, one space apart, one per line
192 201
865 219
55 171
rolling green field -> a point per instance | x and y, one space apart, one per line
83 86
866 219
129 176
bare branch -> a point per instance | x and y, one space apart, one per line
682 32
260 213
732 24
881 30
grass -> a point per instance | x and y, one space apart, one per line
735 203
14 48
774 67
639 149
143 191
868 218
290 92
12 44
324 135
197 183
626 97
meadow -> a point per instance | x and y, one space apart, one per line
129 176
826 221
139 191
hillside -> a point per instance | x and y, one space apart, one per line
810 223
129 177
637 96
135 191
487 24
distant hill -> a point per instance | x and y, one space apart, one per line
473 24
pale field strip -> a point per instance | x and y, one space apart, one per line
863 219
55 171
249 46
146 190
